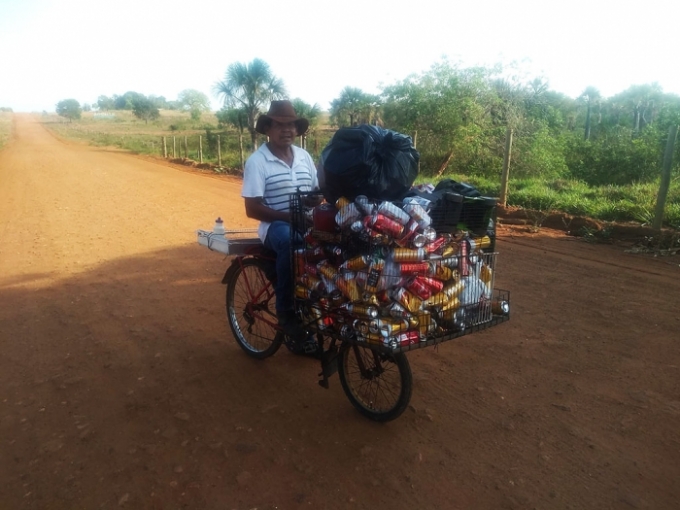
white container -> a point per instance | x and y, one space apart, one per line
219 227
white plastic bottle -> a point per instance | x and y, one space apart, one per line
219 226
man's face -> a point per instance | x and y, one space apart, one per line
281 134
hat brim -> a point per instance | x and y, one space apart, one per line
263 121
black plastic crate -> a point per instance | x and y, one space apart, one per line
476 214
446 212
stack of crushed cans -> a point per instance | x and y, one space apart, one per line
376 271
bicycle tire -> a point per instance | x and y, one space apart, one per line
385 378
251 299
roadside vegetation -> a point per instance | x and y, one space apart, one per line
5 127
592 156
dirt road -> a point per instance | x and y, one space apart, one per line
121 386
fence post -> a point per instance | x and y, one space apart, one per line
174 155
200 149
503 199
186 148
665 178
165 149
219 152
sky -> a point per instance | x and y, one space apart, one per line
60 49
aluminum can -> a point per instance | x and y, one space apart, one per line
435 245
341 202
486 274
407 300
430 233
299 261
386 225
302 292
409 234
450 262
440 272
463 263
424 322
419 214
423 202
370 299
374 272
384 296
349 288
313 283
365 311
419 288
356 263
392 211
330 286
406 338
454 288
434 284
481 243
420 240
449 251
387 326
366 207
397 311
408 255
373 338
500 307
361 326
347 215
310 268
325 268
414 268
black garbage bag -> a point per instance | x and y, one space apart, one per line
368 160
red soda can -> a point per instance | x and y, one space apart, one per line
414 268
398 311
409 234
419 288
407 300
383 296
434 284
435 245
407 338
386 225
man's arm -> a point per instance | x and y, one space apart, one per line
257 210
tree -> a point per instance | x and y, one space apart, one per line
309 112
105 103
144 108
194 102
354 107
239 119
591 97
250 87
69 108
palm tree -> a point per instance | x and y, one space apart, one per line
352 107
250 87
591 97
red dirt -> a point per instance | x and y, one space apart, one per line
121 386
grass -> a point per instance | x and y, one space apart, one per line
5 127
634 202
122 130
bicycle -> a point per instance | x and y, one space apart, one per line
376 377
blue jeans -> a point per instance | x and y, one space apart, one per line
278 239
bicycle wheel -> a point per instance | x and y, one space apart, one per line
251 309
378 385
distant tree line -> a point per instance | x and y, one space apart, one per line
459 118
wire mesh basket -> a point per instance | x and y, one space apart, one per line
381 275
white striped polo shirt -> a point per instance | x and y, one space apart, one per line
268 177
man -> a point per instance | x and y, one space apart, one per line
273 172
